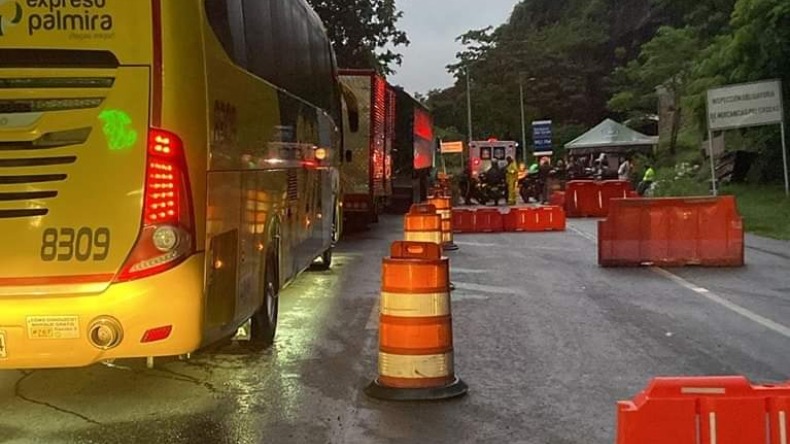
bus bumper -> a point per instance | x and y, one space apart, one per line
171 299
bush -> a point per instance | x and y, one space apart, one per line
679 181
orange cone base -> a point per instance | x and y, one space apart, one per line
450 247
456 389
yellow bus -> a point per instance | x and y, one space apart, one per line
166 167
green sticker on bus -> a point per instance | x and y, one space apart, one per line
116 129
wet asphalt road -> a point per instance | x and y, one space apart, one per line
546 340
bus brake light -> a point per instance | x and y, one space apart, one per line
168 234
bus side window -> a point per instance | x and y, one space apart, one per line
226 20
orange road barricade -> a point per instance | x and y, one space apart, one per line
489 220
416 360
463 221
581 199
423 224
586 198
535 219
706 410
706 231
445 209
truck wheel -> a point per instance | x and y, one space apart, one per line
264 321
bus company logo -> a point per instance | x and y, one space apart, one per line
68 15
10 15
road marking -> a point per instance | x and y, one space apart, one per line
485 289
765 322
468 271
477 244
704 292
583 234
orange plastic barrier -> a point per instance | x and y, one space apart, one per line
416 360
489 221
586 198
535 219
672 232
612 189
557 199
706 410
463 221
423 224
581 199
445 209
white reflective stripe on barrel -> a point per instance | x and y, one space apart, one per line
434 237
415 305
416 367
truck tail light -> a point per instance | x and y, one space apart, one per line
167 236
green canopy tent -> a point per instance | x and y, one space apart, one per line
611 137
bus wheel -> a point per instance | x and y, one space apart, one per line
264 322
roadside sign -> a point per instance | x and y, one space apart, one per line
542 136
745 105
452 147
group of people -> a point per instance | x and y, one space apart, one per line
625 173
537 177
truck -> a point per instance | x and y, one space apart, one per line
482 154
369 109
414 152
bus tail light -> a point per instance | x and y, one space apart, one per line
167 236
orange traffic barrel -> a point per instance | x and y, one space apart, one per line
423 224
416 360
445 209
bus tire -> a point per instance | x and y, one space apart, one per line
264 321
326 260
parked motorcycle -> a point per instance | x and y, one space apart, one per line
485 191
529 188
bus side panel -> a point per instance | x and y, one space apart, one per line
242 201
265 186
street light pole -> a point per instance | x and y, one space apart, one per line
523 118
469 103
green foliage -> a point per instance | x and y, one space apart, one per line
679 181
765 209
665 61
363 31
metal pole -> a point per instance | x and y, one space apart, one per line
469 103
523 118
784 156
712 164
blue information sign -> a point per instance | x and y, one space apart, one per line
541 135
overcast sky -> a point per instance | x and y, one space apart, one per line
432 26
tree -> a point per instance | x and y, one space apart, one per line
361 29
666 61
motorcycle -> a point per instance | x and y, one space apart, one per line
485 191
529 188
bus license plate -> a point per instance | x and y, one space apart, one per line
3 351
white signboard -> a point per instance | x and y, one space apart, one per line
745 105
